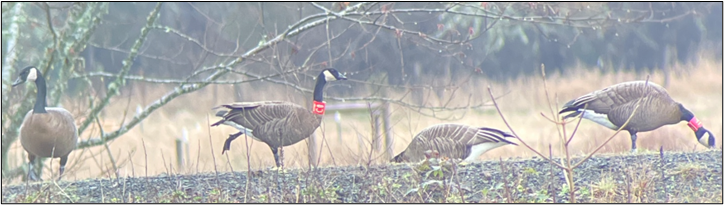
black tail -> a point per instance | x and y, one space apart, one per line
398 158
218 123
569 107
500 136
220 113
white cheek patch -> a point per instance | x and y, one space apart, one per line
33 75
601 119
704 140
328 76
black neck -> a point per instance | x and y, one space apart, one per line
319 88
686 115
40 97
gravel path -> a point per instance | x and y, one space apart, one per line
688 177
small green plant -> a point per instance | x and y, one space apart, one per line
178 195
485 192
520 188
454 198
530 171
406 176
138 199
214 195
262 198
327 194
564 191
604 188
541 196
197 198
330 194
584 192
396 186
31 198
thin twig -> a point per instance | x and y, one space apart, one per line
248 168
577 125
490 91
145 156
114 86
663 174
564 142
213 155
505 182
553 176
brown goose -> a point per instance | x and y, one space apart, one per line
46 131
277 123
454 141
612 106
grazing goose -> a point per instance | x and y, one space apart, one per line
46 131
454 141
612 106
277 123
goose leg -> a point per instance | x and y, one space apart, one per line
281 156
227 144
31 169
276 156
633 141
63 161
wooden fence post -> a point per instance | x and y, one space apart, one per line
378 117
338 121
387 124
179 153
377 134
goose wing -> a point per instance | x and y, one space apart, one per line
604 100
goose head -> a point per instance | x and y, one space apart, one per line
704 136
331 74
29 73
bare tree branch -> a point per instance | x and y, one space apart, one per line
114 86
190 87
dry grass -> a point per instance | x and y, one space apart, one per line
698 87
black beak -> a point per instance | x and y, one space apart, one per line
18 82
342 77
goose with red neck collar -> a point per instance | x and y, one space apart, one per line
46 131
612 106
277 123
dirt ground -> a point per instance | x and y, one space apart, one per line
694 177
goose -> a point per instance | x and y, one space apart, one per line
277 123
612 106
454 141
45 131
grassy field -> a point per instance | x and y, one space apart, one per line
149 149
